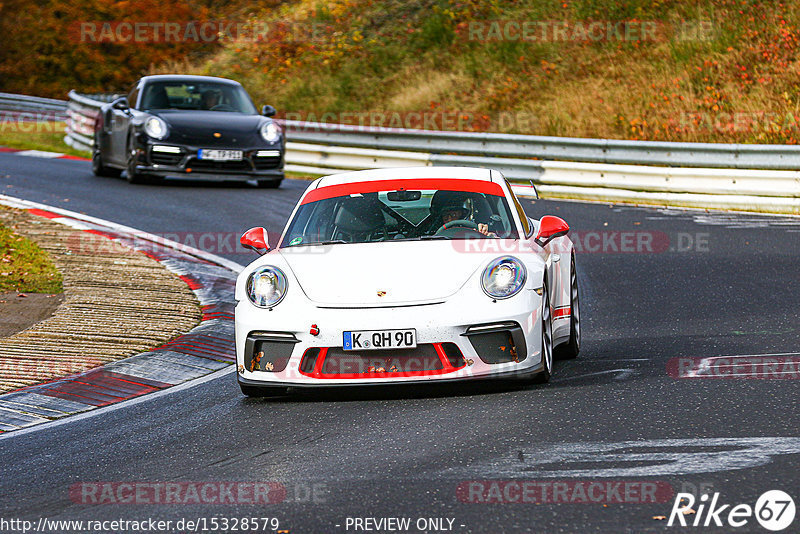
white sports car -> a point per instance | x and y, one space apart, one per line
406 276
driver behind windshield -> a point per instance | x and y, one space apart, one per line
449 206
210 99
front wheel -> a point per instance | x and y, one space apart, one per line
100 169
547 338
135 177
570 349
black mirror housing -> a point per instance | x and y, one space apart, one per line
268 111
121 104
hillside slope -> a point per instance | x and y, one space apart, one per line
675 70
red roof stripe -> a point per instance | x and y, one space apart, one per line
447 184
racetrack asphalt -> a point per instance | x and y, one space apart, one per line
403 453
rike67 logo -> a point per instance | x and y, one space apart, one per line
774 510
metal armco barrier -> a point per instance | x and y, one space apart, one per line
31 108
82 114
702 175
693 174
734 156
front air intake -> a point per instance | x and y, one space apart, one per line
268 351
498 343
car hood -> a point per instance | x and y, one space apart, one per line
197 126
409 272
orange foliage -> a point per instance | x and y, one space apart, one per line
48 46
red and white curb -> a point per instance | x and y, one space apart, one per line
41 154
207 348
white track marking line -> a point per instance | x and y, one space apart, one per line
705 365
752 355
735 364
662 457
39 154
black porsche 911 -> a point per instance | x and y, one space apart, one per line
198 127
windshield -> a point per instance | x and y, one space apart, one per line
208 96
395 215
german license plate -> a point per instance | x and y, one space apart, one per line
379 339
220 155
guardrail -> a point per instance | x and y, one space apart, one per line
735 156
702 175
769 191
82 114
32 108
699 175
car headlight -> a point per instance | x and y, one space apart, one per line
266 286
503 277
155 128
270 132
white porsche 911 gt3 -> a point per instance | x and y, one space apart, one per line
406 276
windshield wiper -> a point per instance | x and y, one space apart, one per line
419 238
334 242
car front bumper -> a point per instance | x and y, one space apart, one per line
257 163
484 336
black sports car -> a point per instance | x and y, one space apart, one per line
200 127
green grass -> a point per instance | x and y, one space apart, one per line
48 136
303 176
24 267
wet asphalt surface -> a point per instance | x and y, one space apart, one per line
712 284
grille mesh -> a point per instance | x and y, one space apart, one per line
495 347
422 358
274 356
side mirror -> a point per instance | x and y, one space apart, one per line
549 228
121 104
256 240
268 111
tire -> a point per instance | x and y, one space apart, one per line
269 184
570 349
134 177
100 169
263 391
547 338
